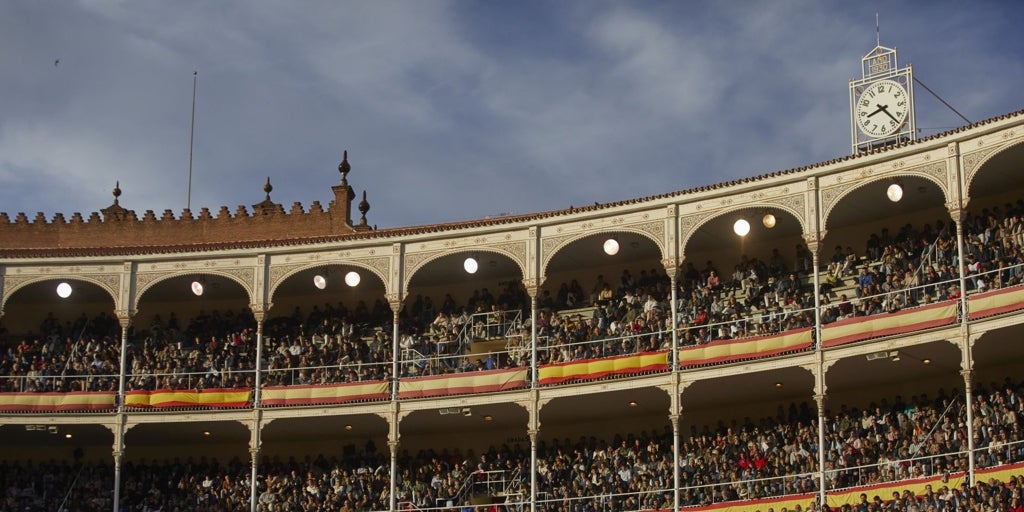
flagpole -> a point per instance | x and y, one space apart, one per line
191 140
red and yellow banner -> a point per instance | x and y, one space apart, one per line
209 398
485 381
746 348
324 394
995 302
887 324
884 491
590 369
917 486
1000 474
806 501
57 402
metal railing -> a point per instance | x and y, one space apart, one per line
449 357
68 383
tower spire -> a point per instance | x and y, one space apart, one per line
878 35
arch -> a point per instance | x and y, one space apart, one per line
8 293
558 244
688 230
917 172
321 264
141 292
420 264
975 161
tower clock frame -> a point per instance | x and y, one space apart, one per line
882 102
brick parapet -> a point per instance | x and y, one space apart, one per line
126 229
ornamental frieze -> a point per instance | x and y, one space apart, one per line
973 161
689 223
246 275
279 272
548 245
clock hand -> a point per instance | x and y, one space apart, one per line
879 109
885 108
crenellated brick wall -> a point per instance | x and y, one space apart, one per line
117 227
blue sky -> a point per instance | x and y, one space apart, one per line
458 110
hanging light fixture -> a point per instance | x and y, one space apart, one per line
319 281
768 220
741 227
470 265
64 290
611 247
197 288
894 192
352 278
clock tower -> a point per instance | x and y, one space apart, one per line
881 102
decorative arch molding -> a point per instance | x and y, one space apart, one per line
513 250
551 245
379 266
973 161
109 282
246 277
846 183
794 203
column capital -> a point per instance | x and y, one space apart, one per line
955 211
812 241
395 302
671 267
259 311
124 317
532 287
820 400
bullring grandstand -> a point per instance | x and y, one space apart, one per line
842 335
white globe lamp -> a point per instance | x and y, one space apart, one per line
63 290
894 192
352 278
611 247
741 227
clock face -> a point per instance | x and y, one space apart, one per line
882 108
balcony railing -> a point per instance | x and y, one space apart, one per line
444 368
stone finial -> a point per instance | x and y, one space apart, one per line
364 206
266 207
344 168
116 212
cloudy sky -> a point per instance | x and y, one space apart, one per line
458 110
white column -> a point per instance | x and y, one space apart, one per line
819 400
125 321
674 419
396 308
118 453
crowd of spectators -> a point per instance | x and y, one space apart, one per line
73 356
904 269
901 268
891 440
